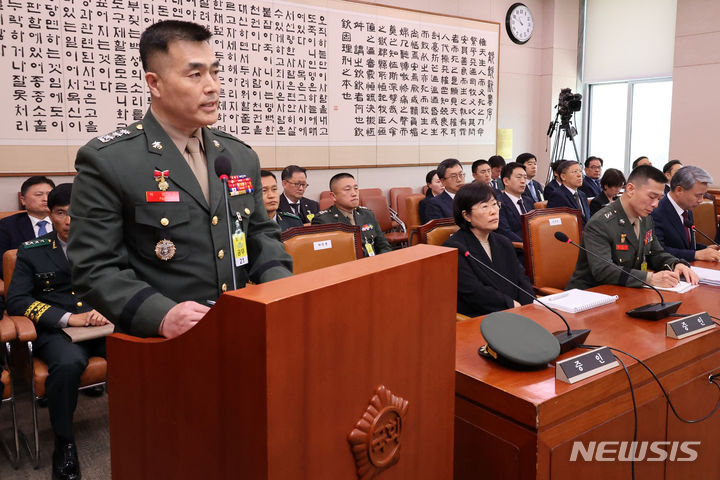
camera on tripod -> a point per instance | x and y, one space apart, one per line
568 103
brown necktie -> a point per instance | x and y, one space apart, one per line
198 165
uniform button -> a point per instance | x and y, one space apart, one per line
224 287
164 222
215 220
221 253
247 211
47 282
139 126
79 304
72 293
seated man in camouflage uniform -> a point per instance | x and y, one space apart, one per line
347 210
41 290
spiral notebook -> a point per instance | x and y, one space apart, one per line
575 300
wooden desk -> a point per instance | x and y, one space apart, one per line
521 425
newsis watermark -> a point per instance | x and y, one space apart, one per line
626 451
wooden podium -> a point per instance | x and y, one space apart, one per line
272 381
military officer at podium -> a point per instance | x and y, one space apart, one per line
150 247
41 290
347 210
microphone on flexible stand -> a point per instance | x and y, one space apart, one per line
223 167
692 227
567 339
651 311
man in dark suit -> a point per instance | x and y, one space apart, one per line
533 189
450 172
270 197
496 165
673 216
553 185
31 223
41 289
669 170
513 203
568 194
294 183
593 171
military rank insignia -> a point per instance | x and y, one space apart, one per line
165 249
160 176
239 185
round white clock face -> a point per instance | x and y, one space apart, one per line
519 23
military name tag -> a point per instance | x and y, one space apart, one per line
152 197
621 247
690 325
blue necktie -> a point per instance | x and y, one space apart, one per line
533 193
41 228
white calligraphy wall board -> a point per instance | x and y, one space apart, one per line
315 83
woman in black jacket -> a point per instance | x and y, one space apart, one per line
481 291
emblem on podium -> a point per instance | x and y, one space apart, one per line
375 441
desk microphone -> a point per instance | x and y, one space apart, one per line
651 311
692 227
222 170
568 339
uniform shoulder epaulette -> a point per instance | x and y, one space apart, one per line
360 207
289 215
221 133
37 242
606 215
322 212
121 134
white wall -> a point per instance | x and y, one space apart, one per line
530 77
696 76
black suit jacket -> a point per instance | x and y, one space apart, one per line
41 287
307 206
590 188
538 190
481 291
14 230
437 207
564 198
550 189
510 224
598 202
670 231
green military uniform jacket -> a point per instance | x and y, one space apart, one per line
287 220
370 231
610 235
41 288
117 227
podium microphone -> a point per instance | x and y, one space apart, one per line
568 339
651 311
695 230
223 168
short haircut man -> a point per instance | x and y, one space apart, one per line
154 271
451 174
623 233
52 304
293 200
640 161
496 164
481 171
347 209
33 222
674 220
669 170
270 198
591 182
534 190
513 203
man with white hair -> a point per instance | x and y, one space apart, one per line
674 218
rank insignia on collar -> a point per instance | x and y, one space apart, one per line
216 143
160 176
157 145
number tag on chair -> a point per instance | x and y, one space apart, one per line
555 221
322 245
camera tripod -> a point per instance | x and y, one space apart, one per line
562 129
